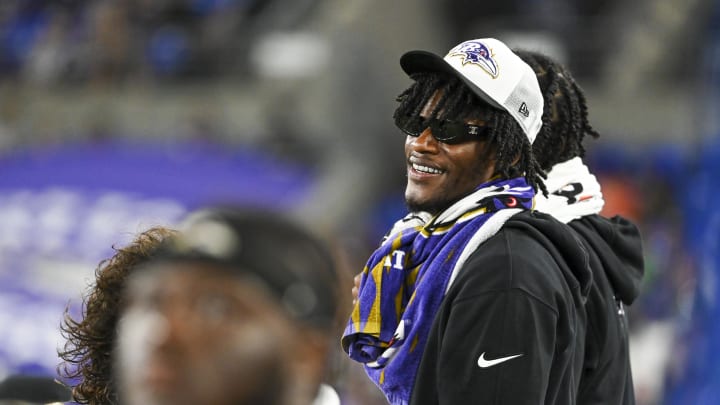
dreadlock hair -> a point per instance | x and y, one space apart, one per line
513 152
90 340
565 117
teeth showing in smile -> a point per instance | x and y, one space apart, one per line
426 169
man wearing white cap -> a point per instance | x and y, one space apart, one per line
472 298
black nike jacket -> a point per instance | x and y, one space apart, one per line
616 260
511 329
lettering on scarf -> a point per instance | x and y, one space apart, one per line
397 256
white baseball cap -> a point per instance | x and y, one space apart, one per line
493 72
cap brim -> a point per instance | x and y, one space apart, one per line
422 61
427 62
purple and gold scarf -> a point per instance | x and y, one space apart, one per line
406 278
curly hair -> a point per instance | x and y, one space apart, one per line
90 340
458 102
565 118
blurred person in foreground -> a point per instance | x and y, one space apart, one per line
472 297
90 340
613 244
237 308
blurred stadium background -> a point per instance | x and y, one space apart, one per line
117 115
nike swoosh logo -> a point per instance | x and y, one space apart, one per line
483 363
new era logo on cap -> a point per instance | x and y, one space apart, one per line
524 110
494 73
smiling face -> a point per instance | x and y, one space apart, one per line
439 173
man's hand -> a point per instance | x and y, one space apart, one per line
356 287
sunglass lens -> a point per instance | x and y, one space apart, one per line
455 132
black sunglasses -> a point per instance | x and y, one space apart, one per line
450 132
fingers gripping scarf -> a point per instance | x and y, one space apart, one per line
406 278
